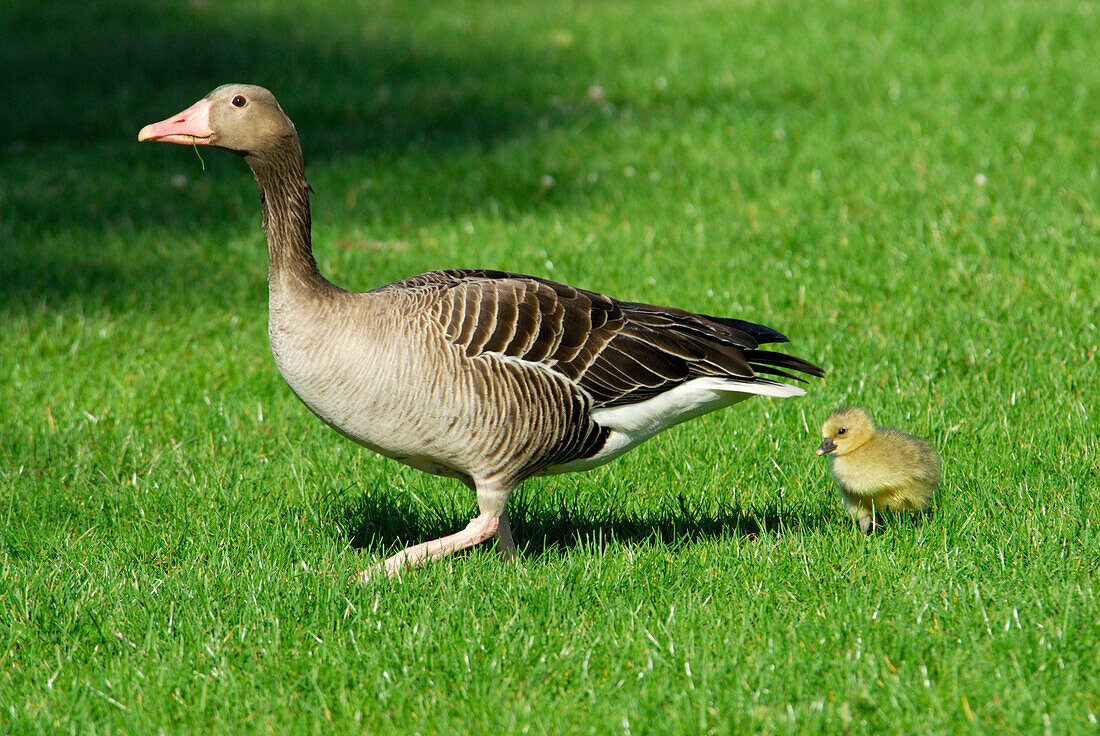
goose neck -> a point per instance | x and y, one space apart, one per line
284 196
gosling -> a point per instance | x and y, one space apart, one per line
877 468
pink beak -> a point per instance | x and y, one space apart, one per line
190 126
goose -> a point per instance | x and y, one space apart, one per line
877 468
484 376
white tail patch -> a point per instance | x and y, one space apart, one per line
633 424
759 387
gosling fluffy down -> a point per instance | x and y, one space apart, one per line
877 468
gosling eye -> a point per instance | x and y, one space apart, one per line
842 431
239 101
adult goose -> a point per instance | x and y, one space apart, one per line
484 376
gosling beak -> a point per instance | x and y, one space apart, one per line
827 445
190 126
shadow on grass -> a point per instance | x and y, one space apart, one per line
374 522
99 70
365 83
81 78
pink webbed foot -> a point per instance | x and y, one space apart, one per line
477 531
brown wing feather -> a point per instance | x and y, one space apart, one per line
619 352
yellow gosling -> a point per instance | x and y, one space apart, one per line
877 468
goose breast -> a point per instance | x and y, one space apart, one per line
381 369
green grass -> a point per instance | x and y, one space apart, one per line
908 189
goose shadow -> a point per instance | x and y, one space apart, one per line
382 524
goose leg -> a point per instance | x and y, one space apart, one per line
491 501
504 537
481 528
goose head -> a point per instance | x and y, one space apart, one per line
242 118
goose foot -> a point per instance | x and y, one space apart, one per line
477 531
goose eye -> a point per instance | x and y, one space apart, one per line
841 431
239 101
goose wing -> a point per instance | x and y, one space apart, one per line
618 352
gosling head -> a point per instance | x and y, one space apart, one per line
845 430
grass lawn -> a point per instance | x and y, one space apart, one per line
909 189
